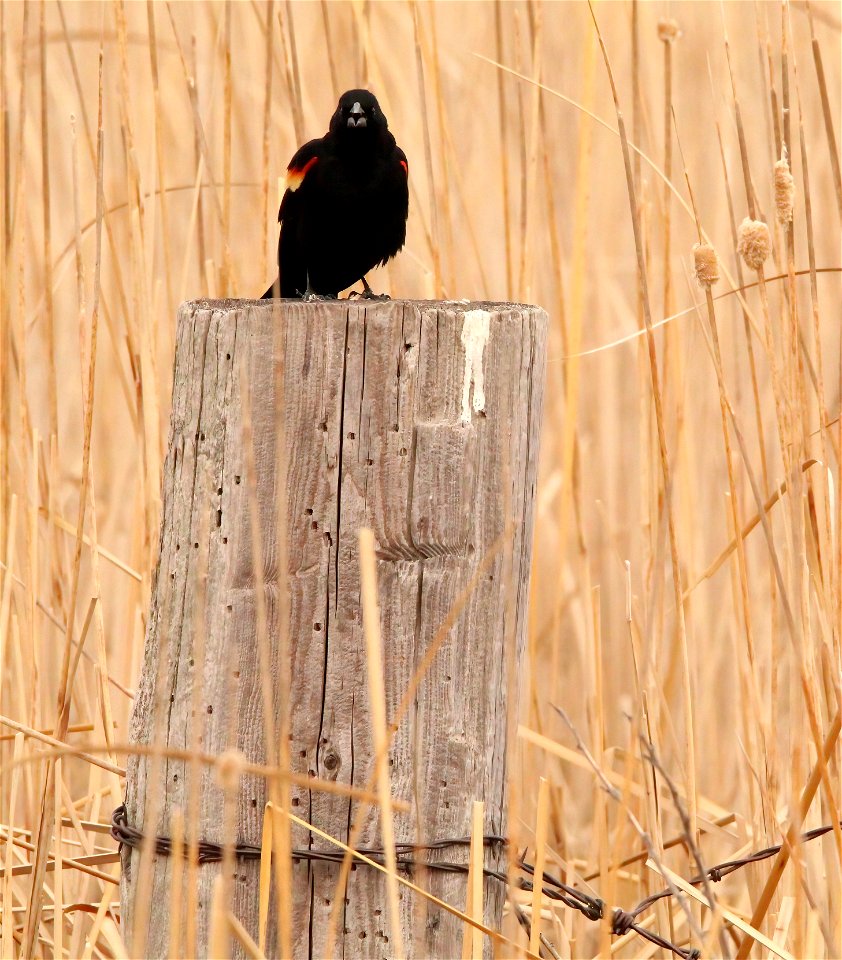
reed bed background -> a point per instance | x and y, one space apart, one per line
141 149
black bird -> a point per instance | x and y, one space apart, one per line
345 206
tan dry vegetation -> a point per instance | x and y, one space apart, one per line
517 192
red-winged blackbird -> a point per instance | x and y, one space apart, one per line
345 207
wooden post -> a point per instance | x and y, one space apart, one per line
419 420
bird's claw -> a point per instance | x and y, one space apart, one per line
368 293
311 297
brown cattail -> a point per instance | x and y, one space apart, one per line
754 242
668 30
784 189
229 769
707 265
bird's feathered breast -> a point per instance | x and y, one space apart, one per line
345 177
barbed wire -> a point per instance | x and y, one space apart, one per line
593 908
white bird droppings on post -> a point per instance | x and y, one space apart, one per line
475 327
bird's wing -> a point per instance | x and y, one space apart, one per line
304 160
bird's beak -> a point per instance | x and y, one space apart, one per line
357 117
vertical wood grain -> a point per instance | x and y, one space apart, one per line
376 436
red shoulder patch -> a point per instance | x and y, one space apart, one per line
405 167
296 174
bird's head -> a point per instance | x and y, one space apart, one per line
358 114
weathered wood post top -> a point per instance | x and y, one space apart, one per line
294 425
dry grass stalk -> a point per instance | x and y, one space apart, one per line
664 457
504 145
472 944
265 177
540 862
374 660
435 246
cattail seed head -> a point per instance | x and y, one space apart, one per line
229 769
668 30
707 265
754 242
784 189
